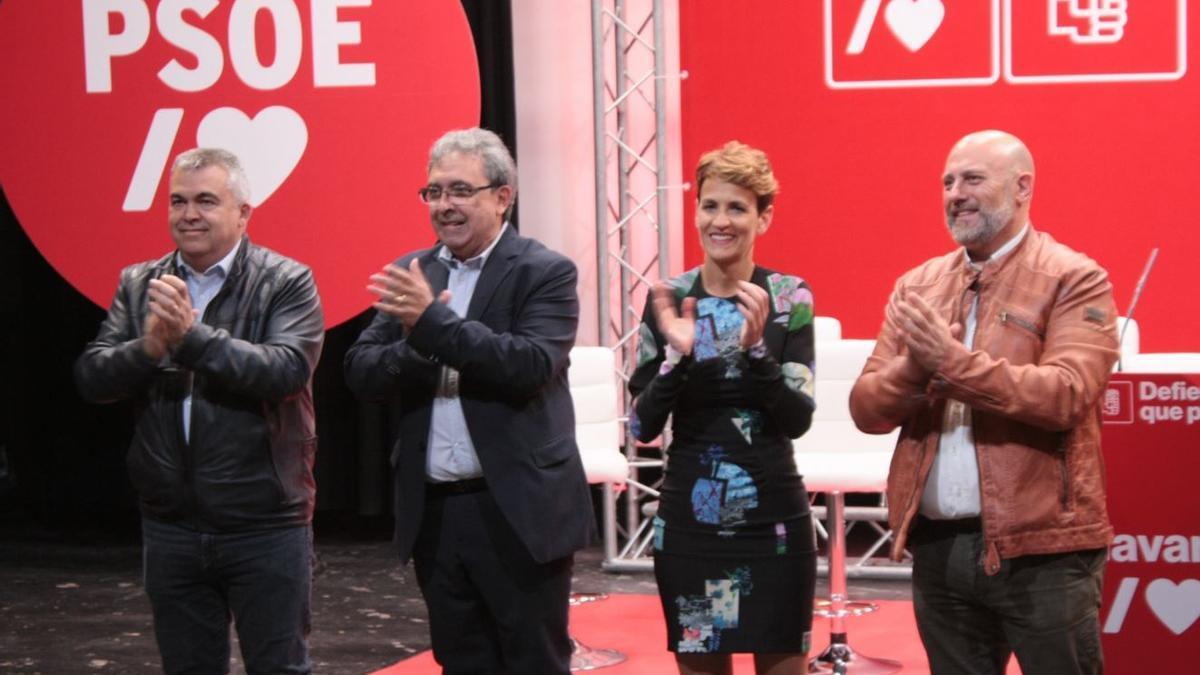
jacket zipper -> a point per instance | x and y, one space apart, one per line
989 558
189 459
1005 317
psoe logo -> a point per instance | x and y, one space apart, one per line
1117 405
330 104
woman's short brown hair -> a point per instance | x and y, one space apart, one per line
742 165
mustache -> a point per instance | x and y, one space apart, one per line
449 218
957 208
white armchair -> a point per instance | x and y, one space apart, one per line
826 328
593 381
1163 362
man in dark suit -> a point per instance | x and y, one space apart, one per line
472 338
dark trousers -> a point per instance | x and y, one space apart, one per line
492 608
197 582
1043 608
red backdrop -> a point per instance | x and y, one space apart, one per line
859 151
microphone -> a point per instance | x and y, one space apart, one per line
1137 293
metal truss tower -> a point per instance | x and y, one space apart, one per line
632 238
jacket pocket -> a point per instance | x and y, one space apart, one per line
498 318
1010 318
1020 337
292 470
555 451
157 475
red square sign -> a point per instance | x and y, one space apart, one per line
1055 41
911 43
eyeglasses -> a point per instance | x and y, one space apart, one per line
458 192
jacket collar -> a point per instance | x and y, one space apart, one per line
170 262
225 264
993 268
243 254
497 266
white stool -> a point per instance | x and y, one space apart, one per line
834 457
593 381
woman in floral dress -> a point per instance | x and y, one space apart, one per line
727 349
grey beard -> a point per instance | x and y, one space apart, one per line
993 223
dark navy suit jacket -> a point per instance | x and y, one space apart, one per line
511 351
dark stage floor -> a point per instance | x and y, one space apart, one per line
71 602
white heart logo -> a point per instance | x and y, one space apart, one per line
270 145
913 22
1177 606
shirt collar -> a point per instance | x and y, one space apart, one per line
222 266
1000 252
478 261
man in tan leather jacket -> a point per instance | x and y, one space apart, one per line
991 359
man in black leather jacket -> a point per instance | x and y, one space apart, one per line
217 342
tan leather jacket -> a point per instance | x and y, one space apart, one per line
1044 346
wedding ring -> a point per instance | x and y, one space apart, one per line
399 298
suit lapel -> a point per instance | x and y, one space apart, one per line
435 271
498 265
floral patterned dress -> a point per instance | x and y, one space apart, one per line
734 550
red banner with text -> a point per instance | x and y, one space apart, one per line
1152 582
330 104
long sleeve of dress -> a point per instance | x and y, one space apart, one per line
655 383
784 384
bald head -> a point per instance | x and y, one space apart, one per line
1003 146
986 189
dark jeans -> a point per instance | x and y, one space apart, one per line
492 608
1043 608
197 582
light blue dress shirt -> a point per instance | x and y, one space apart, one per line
451 454
202 288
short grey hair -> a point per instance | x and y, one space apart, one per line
498 164
199 158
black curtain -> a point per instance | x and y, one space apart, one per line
491 25
62 460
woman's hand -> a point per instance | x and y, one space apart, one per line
678 329
755 308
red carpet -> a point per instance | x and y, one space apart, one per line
633 624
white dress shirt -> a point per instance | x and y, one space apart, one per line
952 489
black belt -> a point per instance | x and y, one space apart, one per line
455 487
953 526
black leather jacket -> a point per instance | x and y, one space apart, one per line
248 463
